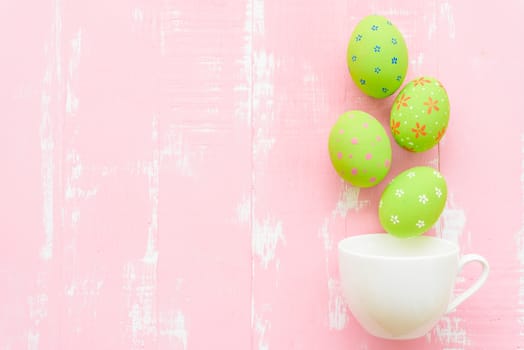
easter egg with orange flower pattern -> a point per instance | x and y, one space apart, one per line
420 114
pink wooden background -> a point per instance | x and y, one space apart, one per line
165 181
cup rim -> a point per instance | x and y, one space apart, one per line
453 247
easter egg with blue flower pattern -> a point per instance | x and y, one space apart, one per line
420 114
360 149
377 56
412 202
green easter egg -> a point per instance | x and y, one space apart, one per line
412 202
377 57
420 114
359 149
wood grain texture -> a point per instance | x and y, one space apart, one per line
166 182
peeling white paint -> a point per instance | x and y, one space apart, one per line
76 165
432 26
348 201
263 101
77 192
262 143
76 46
243 210
520 244
138 15
451 226
72 190
57 31
38 308
258 67
434 163
309 76
215 65
170 23
263 87
326 238
33 339
258 17
84 288
153 176
173 147
337 306
47 170
452 222
266 237
447 12
75 217
449 331
162 40
392 11
108 170
140 277
173 326
140 290
418 61
72 101
261 328
47 141
243 108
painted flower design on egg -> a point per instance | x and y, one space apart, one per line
409 207
421 81
440 134
403 101
394 219
361 154
422 108
419 130
399 192
394 127
432 105
385 52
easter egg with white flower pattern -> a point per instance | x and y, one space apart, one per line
377 56
360 149
412 202
420 114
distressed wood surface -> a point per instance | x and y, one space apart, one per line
166 182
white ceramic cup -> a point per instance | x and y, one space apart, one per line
400 288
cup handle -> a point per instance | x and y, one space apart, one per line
466 259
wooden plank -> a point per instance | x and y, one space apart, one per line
166 181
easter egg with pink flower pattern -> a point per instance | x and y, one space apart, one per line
359 149
420 114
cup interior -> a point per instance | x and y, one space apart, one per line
385 245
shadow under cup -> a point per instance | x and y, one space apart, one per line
400 288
